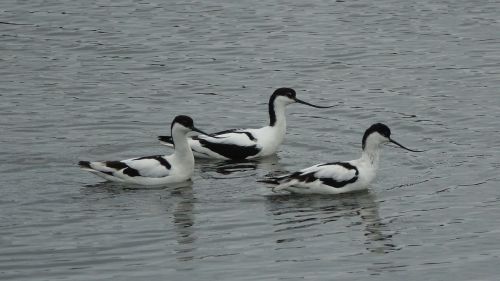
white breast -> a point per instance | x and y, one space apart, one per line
268 139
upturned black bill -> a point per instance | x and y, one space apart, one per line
200 131
400 145
306 103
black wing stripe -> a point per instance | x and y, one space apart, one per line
309 177
131 172
225 132
158 158
249 135
216 134
343 164
164 162
117 165
337 184
233 131
230 151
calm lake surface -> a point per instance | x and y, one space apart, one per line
99 80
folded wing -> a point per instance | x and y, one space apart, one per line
232 144
337 174
150 166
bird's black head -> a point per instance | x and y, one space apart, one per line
284 96
183 120
185 125
285 92
381 134
380 128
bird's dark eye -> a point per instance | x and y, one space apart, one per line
385 133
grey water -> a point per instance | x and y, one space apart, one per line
99 80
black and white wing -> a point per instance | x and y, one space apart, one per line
236 144
231 144
169 141
150 166
337 175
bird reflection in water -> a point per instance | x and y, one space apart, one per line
176 199
119 187
239 168
184 219
294 214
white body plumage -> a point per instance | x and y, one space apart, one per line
340 177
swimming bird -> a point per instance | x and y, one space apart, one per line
153 170
239 144
340 177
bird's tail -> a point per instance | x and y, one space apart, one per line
279 182
270 180
96 167
284 185
166 140
84 164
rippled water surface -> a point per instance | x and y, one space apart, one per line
100 80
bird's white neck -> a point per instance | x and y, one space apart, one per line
272 136
181 146
277 116
371 155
